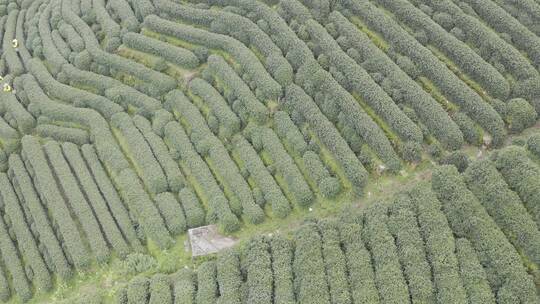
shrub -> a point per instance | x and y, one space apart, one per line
140 152
207 290
177 55
327 133
447 82
22 183
472 273
136 263
468 218
522 175
95 199
470 132
257 170
26 243
77 136
388 274
184 287
229 123
192 208
403 226
138 290
282 257
458 159
520 115
412 152
288 132
224 166
533 144
361 276
505 207
218 207
335 262
160 290
14 265
439 245
172 213
233 84
143 209
286 167
369 91
308 265
77 200
56 204
118 211
175 178
229 278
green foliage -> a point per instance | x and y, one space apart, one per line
388 274
335 263
456 158
259 272
473 274
259 173
505 207
77 201
522 176
310 281
136 263
468 218
282 257
229 278
297 99
55 203
533 144
520 114
218 207
138 290
192 208
160 290
360 271
172 212
403 226
207 288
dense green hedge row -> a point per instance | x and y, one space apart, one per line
266 87
298 101
140 153
468 218
175 178
179 56
91 191
241 99
143 209
112 198
47 187
522 176
505 207
229 123
266 139
470 62
218 208
49 245
211 147
26 242
359 47
352 76
493 48
449 84
77 200
259 173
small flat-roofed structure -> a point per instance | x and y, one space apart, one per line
206 240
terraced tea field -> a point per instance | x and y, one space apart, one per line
124 123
